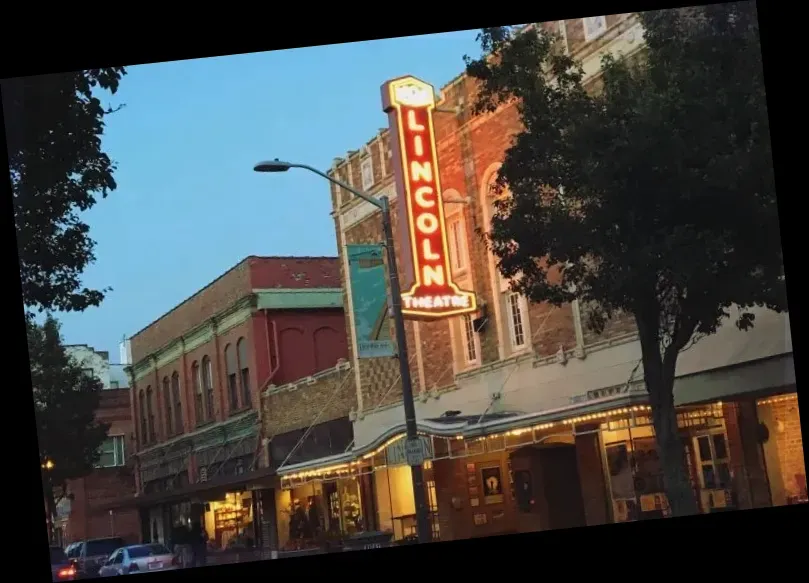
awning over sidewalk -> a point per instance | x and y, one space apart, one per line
214 486
448 436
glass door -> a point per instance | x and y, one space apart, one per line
713 469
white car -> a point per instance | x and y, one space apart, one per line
143 558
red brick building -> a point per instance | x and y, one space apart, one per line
529 399
87 515
197 375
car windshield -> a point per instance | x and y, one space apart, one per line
147 551
103 546
57 556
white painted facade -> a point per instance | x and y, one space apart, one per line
111 375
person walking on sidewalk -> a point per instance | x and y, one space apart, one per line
199 545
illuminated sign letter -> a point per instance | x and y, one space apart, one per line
429 291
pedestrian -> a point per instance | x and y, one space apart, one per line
199 545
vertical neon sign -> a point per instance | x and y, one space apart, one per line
429 291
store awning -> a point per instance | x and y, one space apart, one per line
523 428
214 486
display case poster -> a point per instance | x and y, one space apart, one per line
369 300
492 485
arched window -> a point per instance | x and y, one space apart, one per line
244 371
199 393
150 414
144 435
231 369
178 402
207 384
167 406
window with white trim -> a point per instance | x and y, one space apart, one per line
516 319
594 27
367 171
111 452
513 307
469 339
457 244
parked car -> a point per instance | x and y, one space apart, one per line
61 567
72 550
93 553
143 558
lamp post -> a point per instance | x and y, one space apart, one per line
383 204
47 466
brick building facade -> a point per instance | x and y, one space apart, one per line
197 376
567 407
87 516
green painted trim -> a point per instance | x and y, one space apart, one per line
232 316
299 299
233 429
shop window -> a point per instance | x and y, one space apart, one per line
635 474
111 452
178 402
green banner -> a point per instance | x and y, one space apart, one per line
369 300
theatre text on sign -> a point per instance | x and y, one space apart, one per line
433 294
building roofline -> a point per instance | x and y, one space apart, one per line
213 281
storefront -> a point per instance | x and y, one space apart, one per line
782 445
586 464
323 502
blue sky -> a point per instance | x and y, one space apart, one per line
188 205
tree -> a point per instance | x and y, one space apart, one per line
652 194
54 124
65 400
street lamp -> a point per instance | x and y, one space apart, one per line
383 204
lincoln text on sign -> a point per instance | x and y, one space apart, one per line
429 291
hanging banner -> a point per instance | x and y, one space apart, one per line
369 300
428 291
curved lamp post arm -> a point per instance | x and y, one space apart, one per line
339 183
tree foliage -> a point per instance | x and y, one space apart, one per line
65 401
651 193
54 124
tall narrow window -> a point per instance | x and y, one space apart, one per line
468 330
244 371
144 434
178 402
231 369
167 406
367 171
199 393
594 27
150 414
207 384
516 320
457 241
